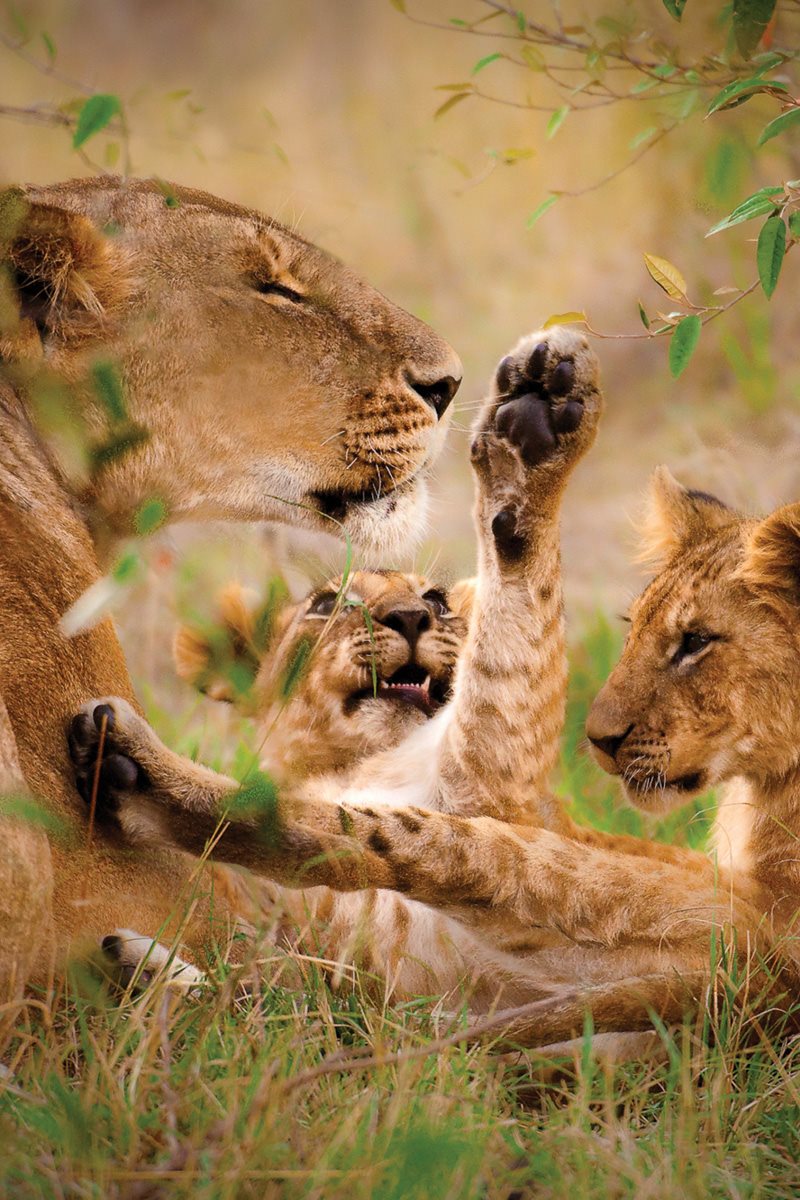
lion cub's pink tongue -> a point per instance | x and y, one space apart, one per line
418 694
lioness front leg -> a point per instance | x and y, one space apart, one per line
508 710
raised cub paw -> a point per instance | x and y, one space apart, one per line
95 731
545 401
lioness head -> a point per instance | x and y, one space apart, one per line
350 670
707 685
272 382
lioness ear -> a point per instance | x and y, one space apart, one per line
675 516
68 276
772 552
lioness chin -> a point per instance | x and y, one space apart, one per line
161 343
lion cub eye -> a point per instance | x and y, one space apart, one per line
323 605
692 643
438 602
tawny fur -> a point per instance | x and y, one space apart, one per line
256 405
705 694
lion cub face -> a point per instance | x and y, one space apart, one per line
707 685
347 672
273 383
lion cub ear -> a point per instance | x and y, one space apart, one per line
461 597
674 517
64 277
222 659
772 552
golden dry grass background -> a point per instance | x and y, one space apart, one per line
321 113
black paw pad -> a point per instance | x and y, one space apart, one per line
119 774
537 363
112 946
527 424
562 379
101 712
510 543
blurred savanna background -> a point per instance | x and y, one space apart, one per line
323 115
486 178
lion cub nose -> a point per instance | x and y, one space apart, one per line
608 743
409 622
438 394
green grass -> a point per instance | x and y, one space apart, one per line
230 1097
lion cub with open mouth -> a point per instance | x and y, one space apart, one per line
383 689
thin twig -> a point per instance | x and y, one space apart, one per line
96 780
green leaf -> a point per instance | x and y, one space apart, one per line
522 23
785 121
150 516
49 46
451 102
557 120
297 668
769 253
126 568
757 205
794 224
642 137
22 807
108 386
484 62
533 57
95 114
643 317
565 318
683 344
741 90
168 192
675 8
667 276
257 802
750 20
540 211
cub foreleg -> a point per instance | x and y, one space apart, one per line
508 710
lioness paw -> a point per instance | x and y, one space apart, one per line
118 775
545 402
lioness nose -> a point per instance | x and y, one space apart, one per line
438 394
409 622
608 743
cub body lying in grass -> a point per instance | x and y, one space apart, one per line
705 693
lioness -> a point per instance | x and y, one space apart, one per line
260 379
705 693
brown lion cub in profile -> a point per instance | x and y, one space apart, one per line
414 698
